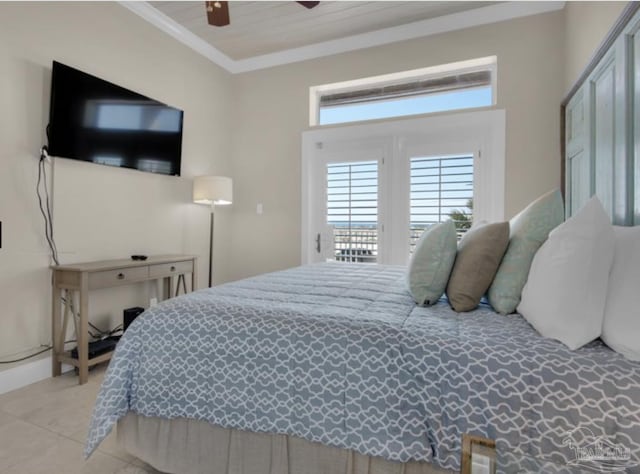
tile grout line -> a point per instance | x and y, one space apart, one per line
67 437
122 461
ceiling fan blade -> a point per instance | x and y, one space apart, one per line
309 4
217 13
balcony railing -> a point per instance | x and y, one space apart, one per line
417 230
355 244
360 244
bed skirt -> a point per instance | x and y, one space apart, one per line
185 446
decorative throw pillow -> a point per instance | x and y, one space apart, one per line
621 327
565 294
431 263
479 255
529 230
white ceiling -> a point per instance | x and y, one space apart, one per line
264 34
265 27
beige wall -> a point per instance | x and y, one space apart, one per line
247 126
99 212
271 111
586 25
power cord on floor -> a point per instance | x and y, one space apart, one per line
42 351
103 335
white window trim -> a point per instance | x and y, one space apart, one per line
485 130
488 63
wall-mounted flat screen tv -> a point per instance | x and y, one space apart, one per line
94 120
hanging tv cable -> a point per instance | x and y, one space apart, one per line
45 202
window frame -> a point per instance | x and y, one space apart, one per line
488 63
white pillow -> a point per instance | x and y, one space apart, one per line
621 328
566 291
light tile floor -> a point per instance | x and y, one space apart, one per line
43 427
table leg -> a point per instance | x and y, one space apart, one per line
83 343
56 368
166 288
74 314
181 282
65 321
171 287
194 276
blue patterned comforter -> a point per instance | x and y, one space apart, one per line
340 354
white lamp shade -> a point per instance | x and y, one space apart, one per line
216 190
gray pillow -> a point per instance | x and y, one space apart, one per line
479 255
431 263
529 230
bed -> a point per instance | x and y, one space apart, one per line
332 368
339 355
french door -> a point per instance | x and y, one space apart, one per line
368 192
350 212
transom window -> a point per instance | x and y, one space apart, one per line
455 86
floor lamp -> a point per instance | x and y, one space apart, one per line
212 190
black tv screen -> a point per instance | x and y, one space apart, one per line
94 120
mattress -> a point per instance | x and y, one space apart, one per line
340 355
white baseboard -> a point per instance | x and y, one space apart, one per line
26 374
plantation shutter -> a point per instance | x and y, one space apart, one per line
352 210
441 189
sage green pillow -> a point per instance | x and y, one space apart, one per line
431 263
479 255
529 230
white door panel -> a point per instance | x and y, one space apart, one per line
349 208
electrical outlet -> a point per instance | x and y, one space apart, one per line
153 302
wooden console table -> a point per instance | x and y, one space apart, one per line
84 277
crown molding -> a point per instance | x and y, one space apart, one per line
179 32
456 21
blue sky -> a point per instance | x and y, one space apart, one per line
454 100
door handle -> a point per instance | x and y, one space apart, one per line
318 248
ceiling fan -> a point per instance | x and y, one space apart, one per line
218 12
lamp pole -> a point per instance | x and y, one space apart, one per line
211 245
212 190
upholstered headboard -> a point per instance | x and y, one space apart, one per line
601 126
